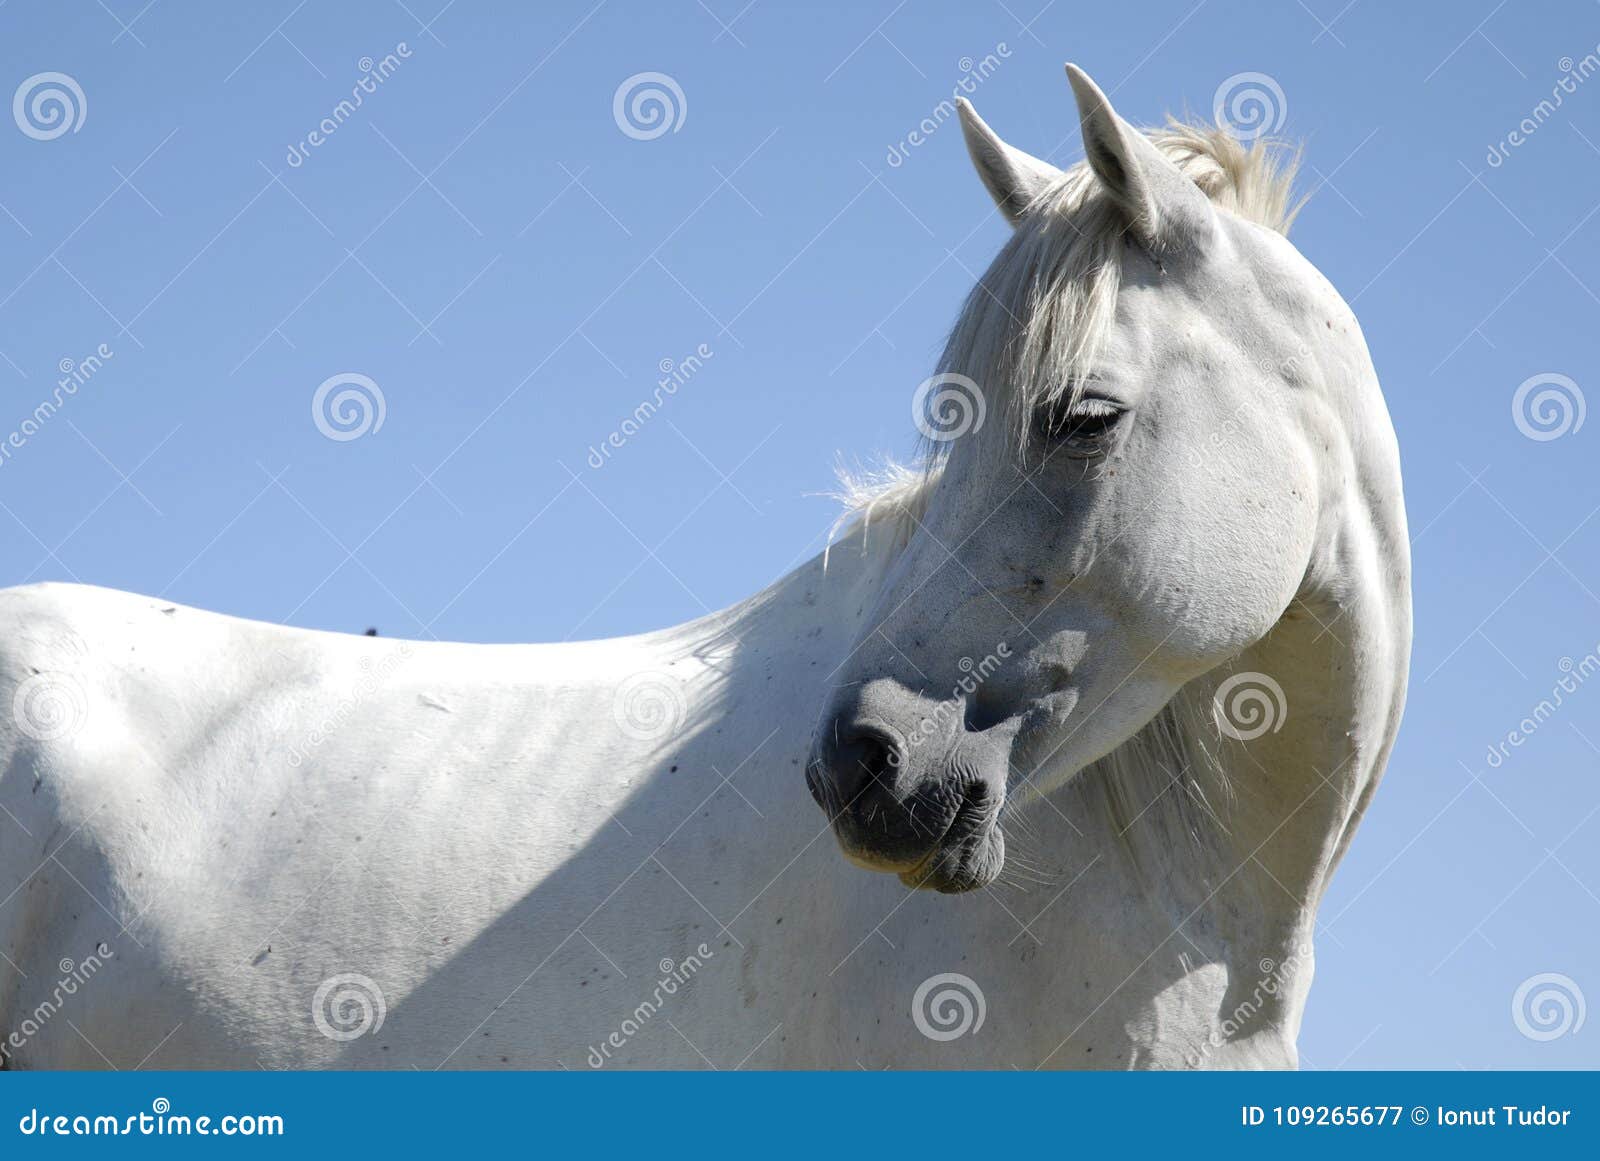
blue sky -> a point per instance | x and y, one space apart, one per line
485 244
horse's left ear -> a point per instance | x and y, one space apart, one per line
1165 209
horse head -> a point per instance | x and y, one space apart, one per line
1136 436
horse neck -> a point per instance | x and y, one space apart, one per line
1283 806
766 665
1296 793
1193 848
1341 654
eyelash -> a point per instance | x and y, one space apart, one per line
1083 426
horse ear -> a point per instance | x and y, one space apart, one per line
1013 178
1165 209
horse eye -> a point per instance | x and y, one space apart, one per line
1082 426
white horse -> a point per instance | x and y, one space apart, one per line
1147 614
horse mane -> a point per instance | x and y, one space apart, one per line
1027 335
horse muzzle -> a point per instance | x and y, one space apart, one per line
926 810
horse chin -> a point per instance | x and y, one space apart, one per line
961 864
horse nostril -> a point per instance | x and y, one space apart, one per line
865 759
985 710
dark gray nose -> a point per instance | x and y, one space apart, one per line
881 814
909 788
861 764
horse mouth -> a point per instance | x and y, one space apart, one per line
970 853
